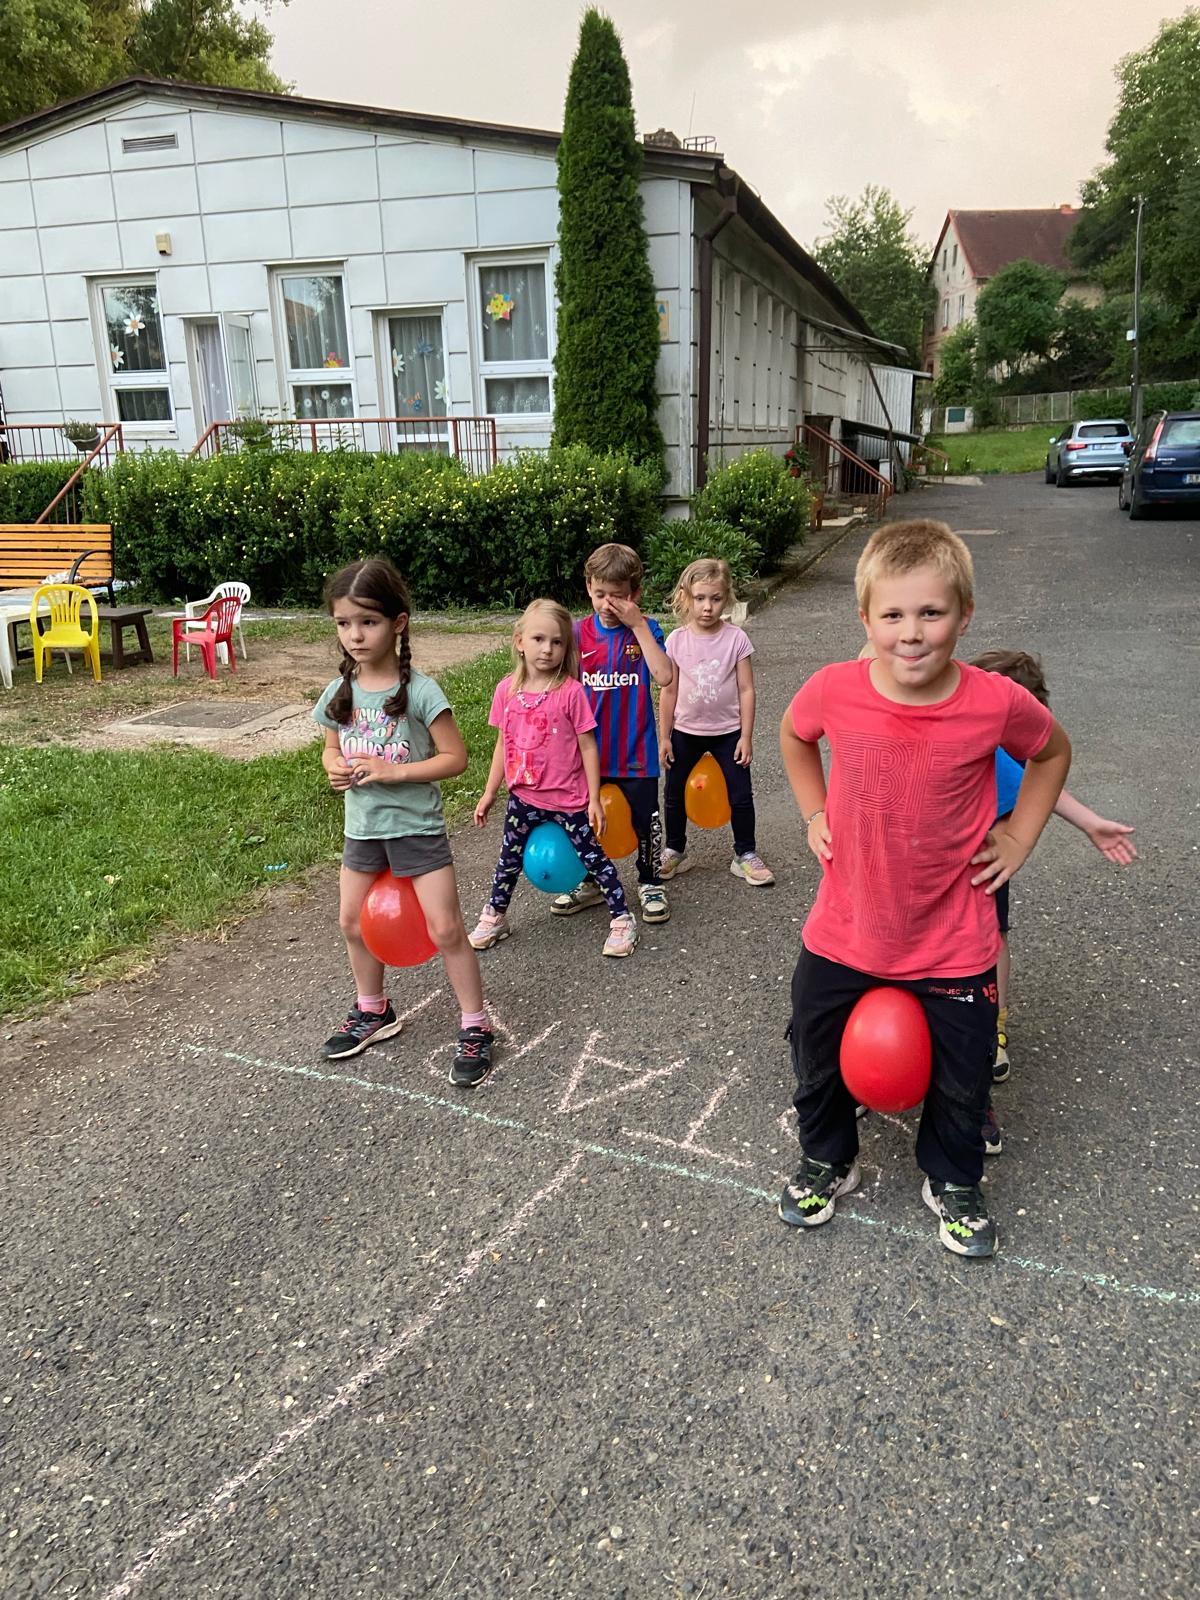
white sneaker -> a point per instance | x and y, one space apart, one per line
753 869
674 863
622 936
653 898
580 898
489 930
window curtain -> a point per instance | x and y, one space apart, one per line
315 316
418 366
514 312
135 342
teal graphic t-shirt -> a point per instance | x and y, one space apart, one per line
390 810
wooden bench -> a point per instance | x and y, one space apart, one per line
29 552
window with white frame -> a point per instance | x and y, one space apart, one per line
515 348
316 342
414 360
962 307
138 380
945 313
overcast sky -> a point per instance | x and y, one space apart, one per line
945 102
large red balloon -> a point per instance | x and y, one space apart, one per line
393 925
886 1052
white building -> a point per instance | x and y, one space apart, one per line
173 256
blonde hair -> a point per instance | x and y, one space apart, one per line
615 563
709 569
566 629
900 547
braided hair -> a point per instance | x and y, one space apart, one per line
377 584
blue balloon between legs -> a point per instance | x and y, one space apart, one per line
550 860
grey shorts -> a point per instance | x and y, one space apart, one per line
411 857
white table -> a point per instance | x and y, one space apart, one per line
14 607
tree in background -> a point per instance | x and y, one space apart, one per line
606 360
1017 315
53 50
956 379
1154 151
878 264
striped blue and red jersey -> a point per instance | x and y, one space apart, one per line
617 682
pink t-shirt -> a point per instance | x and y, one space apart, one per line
912 793
542 763
708 691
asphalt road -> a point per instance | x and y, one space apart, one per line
273 1330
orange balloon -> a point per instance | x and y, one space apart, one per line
393 925
706 799
618 838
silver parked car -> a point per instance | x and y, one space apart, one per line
1088 450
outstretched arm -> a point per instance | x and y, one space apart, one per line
1110 838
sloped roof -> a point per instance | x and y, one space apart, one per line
992 239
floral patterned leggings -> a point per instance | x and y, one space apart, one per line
519 821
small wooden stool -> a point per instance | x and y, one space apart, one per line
119 618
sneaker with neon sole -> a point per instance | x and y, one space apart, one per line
963 1222
752 869
808 1200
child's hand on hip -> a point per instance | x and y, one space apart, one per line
743 751
1001 856
820 840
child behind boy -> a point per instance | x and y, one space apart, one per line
621 654
909 866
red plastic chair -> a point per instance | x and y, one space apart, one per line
207 632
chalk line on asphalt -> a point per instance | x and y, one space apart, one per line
1098 1280
348 1390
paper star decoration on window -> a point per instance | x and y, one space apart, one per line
500 307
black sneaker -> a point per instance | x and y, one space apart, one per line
809 1199
992 1142
473 1058
360 1029
963 1222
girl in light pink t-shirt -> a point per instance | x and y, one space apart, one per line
708 708
546 755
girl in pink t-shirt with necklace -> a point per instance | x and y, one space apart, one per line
708 707
546 754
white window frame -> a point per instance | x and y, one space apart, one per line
946 312
226 321
114 379
383 355
530 421
291 377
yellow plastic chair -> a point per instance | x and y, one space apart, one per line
64 602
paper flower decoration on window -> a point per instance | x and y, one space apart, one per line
417 403
324 394
333 360
133 324
397 363
441 391
116 356
424 348
500 307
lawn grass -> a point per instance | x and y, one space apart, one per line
108 853
996 449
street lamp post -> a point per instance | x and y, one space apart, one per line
1136 396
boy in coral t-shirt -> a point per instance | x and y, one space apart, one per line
910 863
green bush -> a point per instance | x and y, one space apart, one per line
757 495
1182 396
281 521
677 544
27 487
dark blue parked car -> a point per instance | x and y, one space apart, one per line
1164 465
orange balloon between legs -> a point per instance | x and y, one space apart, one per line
705 798
618 839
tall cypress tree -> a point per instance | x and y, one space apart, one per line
605 392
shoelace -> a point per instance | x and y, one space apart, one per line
961 1202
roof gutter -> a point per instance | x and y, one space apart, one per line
728 211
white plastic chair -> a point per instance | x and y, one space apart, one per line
197 608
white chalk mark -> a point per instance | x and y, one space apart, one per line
688 1143
588 1057
420 1005
436 1067
347 1392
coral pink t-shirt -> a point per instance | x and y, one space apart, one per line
542 763
708 692
912 794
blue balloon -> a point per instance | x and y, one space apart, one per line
550 860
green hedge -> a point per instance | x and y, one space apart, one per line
1183 396
757 495
27 487
677 544
281 521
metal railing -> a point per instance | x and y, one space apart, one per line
46 441
927 461
67 505
471 439
839 471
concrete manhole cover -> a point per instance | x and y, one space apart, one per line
203 716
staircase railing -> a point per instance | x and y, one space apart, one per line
68 501
929 461
840 471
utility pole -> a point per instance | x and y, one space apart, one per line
1137 321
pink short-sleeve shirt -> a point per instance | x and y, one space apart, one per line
912 794
542 763
707 702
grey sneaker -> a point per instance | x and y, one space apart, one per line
674 863
580 898
963 1222
809 1199
654 902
